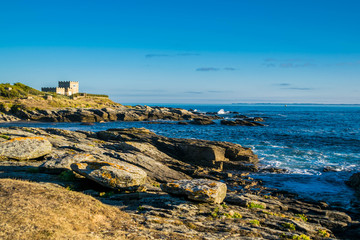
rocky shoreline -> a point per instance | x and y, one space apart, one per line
122 113
170 188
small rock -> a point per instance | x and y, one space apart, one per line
25 148
203 190
119 175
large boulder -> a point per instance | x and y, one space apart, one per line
25 148
116 175
57 165
203 190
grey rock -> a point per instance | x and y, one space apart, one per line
116 175
203 190
60 164
25 148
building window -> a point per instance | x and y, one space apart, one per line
74 85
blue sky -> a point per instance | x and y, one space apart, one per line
187 51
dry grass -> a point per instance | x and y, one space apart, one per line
42 211
38 102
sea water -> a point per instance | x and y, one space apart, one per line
304 139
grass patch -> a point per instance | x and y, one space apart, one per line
254 222
252 205
301 237
302 217
289 226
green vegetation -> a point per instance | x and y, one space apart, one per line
67 176
289 226
19 97
255 205
302 216
224 205
301 237
4 137
233 215
323 233
17 90
140 208
255 222
215 212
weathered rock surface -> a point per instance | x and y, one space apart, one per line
25 148
200 153
203 190
63 163
116 175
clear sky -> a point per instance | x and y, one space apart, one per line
188 51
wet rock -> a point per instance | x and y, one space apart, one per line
116 175
198 121
329 169
239 122
354 181
183 123
57 165
203 190
25 148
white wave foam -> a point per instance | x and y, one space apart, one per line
222 111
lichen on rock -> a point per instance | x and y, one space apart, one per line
203 190
25 148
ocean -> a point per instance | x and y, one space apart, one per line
304 139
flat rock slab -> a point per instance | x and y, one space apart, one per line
203 190
62 163
116 175
25 148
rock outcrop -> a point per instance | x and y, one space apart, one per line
201 153
202 190
101 160
25 148
118 113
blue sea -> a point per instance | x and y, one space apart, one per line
300 138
